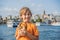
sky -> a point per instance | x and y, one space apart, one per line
12 7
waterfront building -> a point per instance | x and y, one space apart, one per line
1 20
5 20
9 17
57 18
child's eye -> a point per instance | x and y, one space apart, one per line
28 14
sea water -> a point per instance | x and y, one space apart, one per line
45 32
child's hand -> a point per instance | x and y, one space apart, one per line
22 32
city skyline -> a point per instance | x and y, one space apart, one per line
12 7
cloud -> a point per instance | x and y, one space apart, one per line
8 11
39 5
56 12
33 4
27 0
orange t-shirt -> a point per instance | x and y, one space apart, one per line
31 28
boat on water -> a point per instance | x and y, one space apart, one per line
47 24
42 24
37 23
10 23
15 23
56 24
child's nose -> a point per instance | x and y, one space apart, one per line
27 15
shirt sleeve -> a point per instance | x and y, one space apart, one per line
35 31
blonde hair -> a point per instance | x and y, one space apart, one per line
24 10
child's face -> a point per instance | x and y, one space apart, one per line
26 17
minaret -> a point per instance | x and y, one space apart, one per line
43 14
